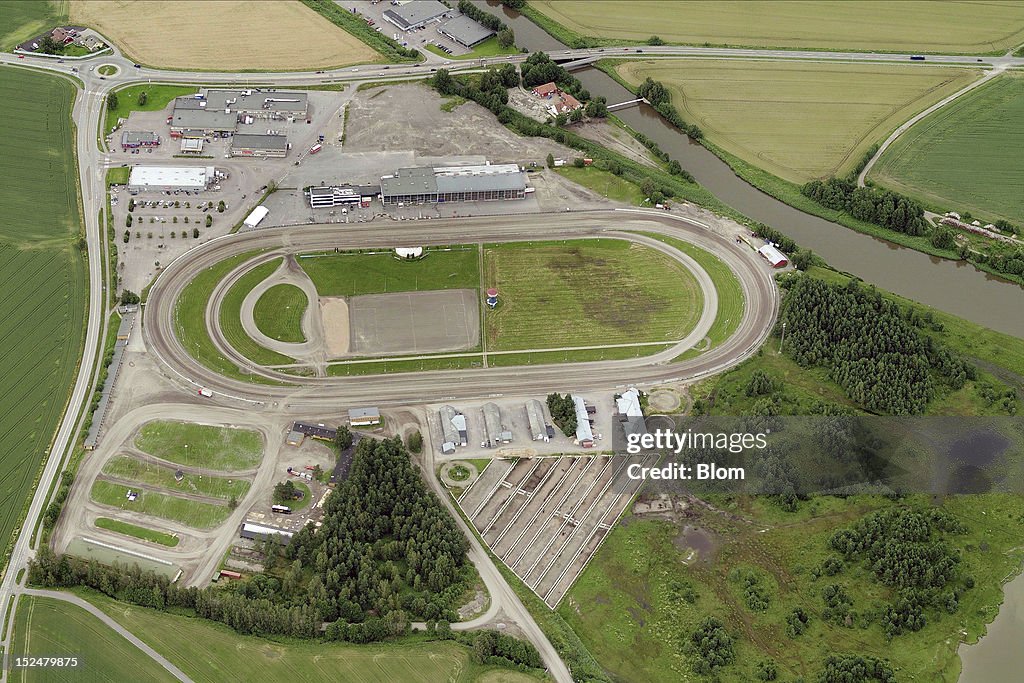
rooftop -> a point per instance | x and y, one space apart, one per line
203 119
244 100
465 30
257 141
415 13
189 176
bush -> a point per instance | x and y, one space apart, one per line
195 231
209 221
415 442
128 297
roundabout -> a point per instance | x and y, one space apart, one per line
258 384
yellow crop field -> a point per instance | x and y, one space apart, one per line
798 120
911 25
222 35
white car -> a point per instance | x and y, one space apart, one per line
205 393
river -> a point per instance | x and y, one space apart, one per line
952 286
998 656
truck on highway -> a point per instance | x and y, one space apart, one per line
205 393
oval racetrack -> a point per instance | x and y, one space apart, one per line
326 393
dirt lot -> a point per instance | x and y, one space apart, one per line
275 35
334 313
380 119
414 322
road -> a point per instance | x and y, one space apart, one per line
88 116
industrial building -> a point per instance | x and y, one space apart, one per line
465 31
538 423
163 178
250 145
363 417
133 139
217 112
453 429
341 195
773 256
584 434
497 432
261 532
431 185
319 431
410 16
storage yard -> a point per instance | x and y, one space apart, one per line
546 517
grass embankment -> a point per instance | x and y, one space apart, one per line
798 120
577 292
126 529
605 183
24 20
278 313
390 366
48 627
135 470
966 156
578 356
42 274
223 449
629 606
190 320
265 661
189 512
231 317
966 28
157 97
353 273
488 48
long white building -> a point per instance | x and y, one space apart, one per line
162 178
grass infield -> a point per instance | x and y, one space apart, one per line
117 526
221 449
278 313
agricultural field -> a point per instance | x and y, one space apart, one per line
587 292
643 593
863 25
278 313
264 661
135 531
798 120
289 35
223 449
48 627
192 513
24 20
42 275
133 469
352 274
966 156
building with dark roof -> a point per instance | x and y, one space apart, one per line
201 122
131 139
413 15
249 145
431 185
465 31
320 431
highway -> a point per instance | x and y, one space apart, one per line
320 392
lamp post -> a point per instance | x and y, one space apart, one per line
783 336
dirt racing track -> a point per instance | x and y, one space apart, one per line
323 393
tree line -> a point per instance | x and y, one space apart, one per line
870 345
481 17
872 205
658 96
563 413
539 68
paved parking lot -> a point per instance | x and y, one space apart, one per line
546 517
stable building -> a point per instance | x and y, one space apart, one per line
363 417
773 256
249 145
318 431
165 178
432 185
133 139
465 31
538 422
261 532
496 431
413 15
584 433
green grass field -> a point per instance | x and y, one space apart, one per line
352 274
605 183
231 317
189 512
966 156
24 20
627 606
216 448
798 120
133 469
116 525
54 628
278 313
578 356
586 292
190 319
957 27
42 275
157 97
418 365
225 653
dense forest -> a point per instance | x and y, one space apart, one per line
881 207
871 346
387 553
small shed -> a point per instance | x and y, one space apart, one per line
773 256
